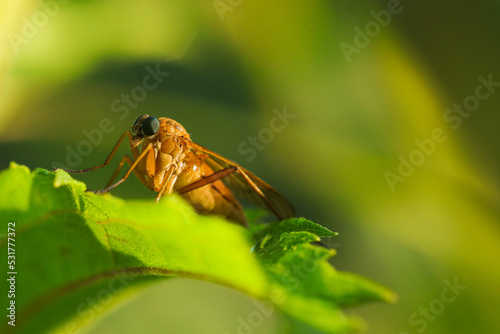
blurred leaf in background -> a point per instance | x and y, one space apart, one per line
417 66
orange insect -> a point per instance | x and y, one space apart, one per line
169 161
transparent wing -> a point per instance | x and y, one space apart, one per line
248 186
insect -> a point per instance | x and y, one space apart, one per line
166 160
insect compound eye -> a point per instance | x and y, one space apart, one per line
139 119
150 126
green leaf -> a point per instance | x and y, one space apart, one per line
77 254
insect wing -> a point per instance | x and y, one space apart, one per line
248 186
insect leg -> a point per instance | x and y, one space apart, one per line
168 183
135 155
128 160
108 159
130 170
208 179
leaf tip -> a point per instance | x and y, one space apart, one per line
391 297
62 178
14 165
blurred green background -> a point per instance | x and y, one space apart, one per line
362 84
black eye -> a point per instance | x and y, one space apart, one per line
139 118
150 126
